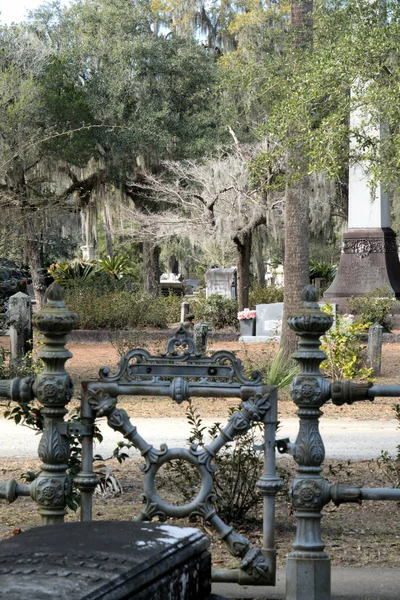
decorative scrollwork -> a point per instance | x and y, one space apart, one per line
306 390
255 564
101 402
307 494
256 407
151 510
203 456
139 365
50 492
54 390
205 509
181 340
53 447
152 456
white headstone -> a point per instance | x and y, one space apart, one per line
221 282
269 319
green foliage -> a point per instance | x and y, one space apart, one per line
64 273
218 311
115 309
239 467
346 356
118 266
265 295
172 306
391 464
322 269
374 307
275 369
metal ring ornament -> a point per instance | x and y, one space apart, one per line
184 510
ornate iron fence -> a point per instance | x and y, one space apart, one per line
182 373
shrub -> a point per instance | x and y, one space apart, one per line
265 295
392 464
115 309
172 306
374 307
346 356
65 273
218 311
322 269
239 467
275 368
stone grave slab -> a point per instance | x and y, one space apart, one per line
111 560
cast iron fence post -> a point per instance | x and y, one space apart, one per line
53 388
308 566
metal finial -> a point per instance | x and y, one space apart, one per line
55 293
309 293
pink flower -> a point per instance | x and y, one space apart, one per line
246 314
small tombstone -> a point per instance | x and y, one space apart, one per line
20 319
222 282
375 338
200 336
185 308
269 319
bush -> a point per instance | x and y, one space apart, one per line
218 311
172 306
115 309
374 307
238 464
239 467
346 356
275 368
322 269
392 464
266 295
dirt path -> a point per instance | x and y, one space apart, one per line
88 358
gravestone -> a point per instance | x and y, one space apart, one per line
369 258
375 339
106 559
269 322
185 308
20 320
200 336
269 319
222 282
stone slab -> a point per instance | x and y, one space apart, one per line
106 559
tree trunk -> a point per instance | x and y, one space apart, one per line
258 255
297 226
32 251
32 248
151 268
243 269
107 227
296 265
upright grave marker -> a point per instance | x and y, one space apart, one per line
222 282
369 258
